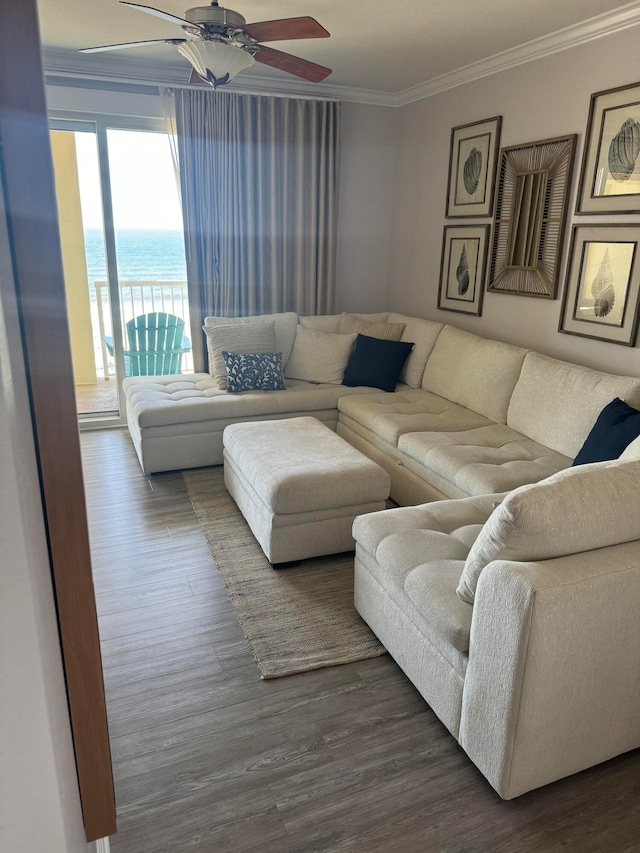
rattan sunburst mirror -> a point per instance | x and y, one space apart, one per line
533 192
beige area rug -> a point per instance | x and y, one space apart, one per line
295 619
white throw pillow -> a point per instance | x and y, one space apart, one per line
578 509
319 356
285 325
253 337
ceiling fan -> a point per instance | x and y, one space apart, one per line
220 44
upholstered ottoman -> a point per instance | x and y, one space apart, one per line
300 486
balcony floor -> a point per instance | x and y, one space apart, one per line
95 399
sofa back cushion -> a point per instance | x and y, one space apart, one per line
422 334
285 329
331 322
556 403
477 373
351 323
578 509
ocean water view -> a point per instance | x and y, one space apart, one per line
142 255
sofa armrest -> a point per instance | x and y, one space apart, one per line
553 681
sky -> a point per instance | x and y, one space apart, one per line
143 181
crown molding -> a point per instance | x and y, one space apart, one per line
107 69
600 26
71 65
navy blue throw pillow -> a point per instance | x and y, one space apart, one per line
376 363
616 427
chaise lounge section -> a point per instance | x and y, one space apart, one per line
177 422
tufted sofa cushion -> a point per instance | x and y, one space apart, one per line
406 411
480 461
418 555
168 400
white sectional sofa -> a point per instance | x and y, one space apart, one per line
469 416
507 584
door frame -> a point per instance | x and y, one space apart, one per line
99 130
25 158
100 124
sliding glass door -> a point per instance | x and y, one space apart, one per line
82 231
149 244
123 252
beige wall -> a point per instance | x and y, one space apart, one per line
393 187
74 262
545 98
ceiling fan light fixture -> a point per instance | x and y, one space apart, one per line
214 62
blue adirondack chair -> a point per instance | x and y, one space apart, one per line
156 344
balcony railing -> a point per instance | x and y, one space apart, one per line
141 297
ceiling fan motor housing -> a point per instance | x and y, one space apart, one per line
215 16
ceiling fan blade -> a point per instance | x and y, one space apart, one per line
286 28
292 64
129 44
195 79
174 19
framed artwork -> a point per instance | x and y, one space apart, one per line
462 268
473 157
601 295
533 195
610 174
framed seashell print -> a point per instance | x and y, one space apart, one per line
610 174
462 268
602 290
473 158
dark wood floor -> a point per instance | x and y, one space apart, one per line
207 757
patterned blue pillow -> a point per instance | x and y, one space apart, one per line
253 371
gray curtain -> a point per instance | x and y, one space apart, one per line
259 180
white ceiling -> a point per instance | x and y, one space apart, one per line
384 47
